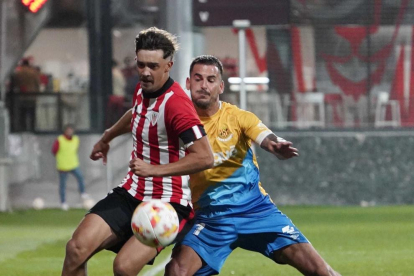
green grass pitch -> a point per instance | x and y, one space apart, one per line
356 241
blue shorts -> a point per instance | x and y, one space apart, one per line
215 238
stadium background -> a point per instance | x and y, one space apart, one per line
327 63
340 86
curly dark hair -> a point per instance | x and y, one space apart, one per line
207 60
157 39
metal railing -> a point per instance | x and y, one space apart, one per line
48 111
318 110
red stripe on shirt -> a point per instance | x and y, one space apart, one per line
140 147
155 151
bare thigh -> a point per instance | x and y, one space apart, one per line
134 256
94 234
91 236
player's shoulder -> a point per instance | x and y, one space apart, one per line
178 91
229 108
178 97
232 109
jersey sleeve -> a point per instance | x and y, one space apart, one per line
252 127
55 147
181 116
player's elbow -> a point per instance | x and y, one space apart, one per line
207 161
210 161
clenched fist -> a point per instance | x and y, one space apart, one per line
140 168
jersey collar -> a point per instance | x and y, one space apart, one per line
160 91
217 114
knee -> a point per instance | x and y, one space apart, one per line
125 268
75 252
119 269
173 268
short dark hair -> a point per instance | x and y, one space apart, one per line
25 62
207 60
65 127
157 39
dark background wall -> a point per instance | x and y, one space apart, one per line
342 168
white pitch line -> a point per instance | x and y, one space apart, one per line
153 271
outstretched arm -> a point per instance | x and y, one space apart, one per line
122 126
200 157
279 147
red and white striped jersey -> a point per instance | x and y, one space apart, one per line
158 119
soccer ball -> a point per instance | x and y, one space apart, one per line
155 223
38 203
88 203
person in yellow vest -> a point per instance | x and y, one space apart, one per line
65 148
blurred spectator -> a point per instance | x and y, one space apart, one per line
44 79
229 70
230 66
130 73
26 79
118 81
65 148
117 99
69 83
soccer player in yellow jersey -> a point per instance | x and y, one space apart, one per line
232 208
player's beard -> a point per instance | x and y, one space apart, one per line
204 103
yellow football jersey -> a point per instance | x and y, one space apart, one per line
233 182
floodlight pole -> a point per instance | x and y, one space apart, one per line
241 26
3 35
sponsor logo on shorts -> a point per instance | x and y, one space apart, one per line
198 229
294 234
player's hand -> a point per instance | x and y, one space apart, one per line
140 168
100 150
283 150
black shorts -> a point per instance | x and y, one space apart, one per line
116 210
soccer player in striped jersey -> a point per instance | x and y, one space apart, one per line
232 209
169 143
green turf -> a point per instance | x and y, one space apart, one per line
355 241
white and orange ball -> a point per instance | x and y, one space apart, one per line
155 223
